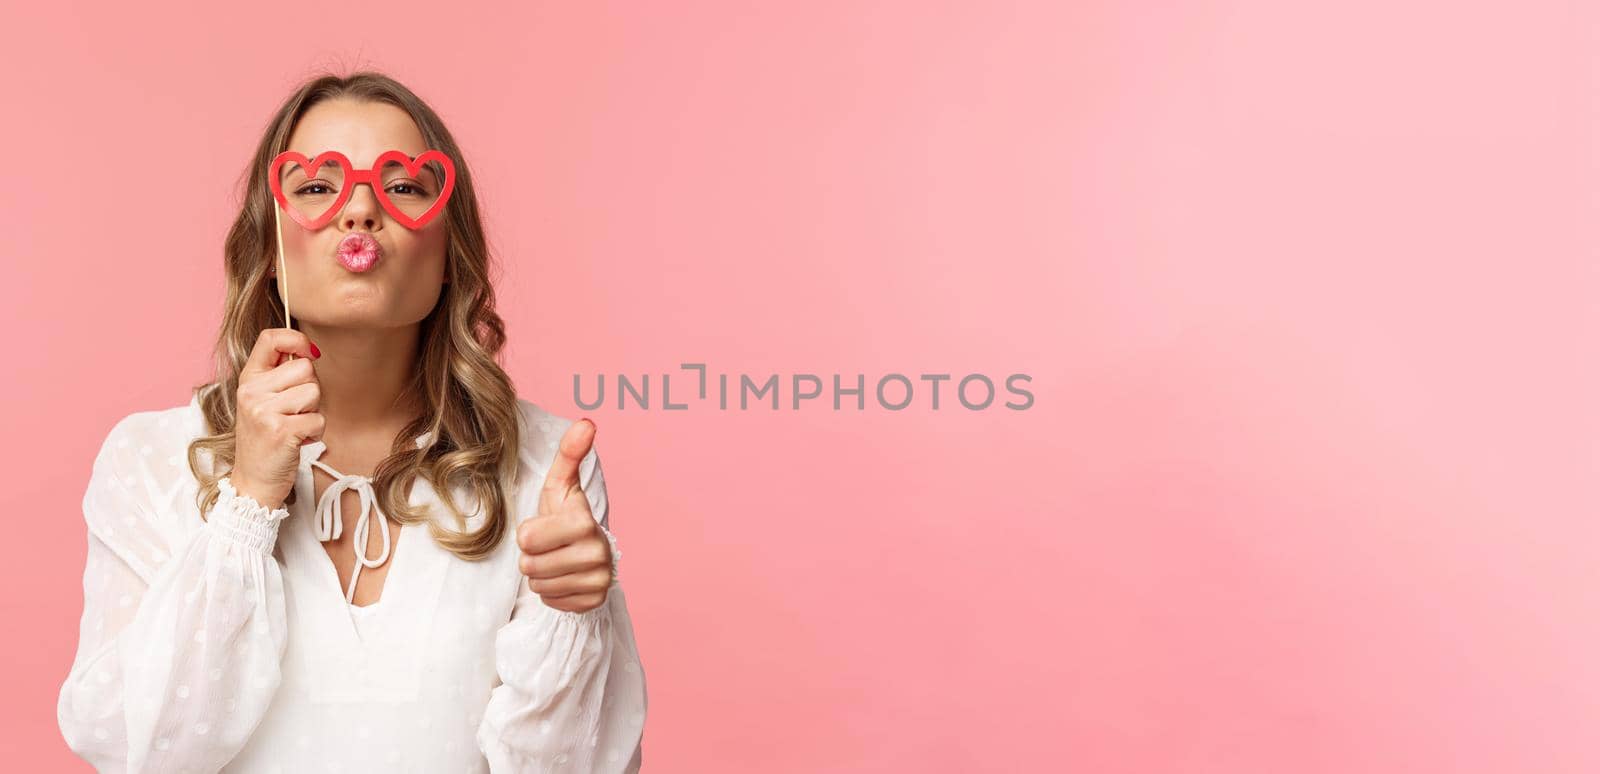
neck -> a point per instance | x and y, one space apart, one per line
363 373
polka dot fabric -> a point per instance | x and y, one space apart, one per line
227 644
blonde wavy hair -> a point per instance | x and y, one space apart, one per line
469 403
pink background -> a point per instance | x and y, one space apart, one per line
1307 291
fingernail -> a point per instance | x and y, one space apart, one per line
314 351
591 421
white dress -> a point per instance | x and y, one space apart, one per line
228 644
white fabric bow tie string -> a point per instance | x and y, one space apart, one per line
330 520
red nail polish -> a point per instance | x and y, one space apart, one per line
314 351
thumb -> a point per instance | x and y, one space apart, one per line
563 475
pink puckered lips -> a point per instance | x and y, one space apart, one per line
358 251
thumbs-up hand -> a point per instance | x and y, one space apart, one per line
564 554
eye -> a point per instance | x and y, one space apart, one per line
309 189
407 189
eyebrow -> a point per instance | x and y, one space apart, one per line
294 166
289 167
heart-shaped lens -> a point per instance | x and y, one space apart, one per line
311 194
414 190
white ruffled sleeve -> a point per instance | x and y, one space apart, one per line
183 626
572 692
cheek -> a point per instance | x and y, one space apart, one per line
298 242
428 251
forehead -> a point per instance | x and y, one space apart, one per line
360 130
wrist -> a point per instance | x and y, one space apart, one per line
262 495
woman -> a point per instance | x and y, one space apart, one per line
357 549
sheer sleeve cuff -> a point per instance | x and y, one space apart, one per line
243 520
616 553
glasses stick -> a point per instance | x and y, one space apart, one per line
283 269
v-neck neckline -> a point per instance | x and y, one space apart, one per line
309 460
353 653
327 571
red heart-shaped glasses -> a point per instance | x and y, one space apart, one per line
352 177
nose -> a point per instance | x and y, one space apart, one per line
362 210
